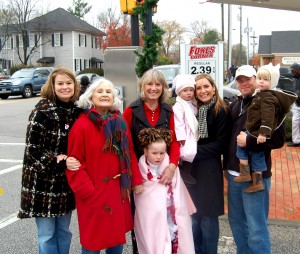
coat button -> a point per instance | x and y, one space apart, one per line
107 208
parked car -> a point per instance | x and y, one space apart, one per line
230 92
169 71
26 82
286 72
91 76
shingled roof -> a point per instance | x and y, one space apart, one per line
279 42
59 20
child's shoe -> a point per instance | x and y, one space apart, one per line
257 183
244 174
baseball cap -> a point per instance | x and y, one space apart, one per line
245 70
295 66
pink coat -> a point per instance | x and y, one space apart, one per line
150 220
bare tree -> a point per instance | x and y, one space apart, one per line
171 38
28 28
6 17
199 29
110 17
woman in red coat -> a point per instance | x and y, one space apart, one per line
101 141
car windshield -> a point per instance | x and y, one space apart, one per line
169 74
22 74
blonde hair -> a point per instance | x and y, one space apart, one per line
85 100
48 91
263 74
220 104
150 76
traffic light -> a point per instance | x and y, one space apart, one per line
128 5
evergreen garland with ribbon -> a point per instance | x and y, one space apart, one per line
149 54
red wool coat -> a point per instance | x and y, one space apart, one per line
102 217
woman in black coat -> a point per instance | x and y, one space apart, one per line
207 193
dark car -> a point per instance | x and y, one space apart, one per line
230 92
26 82
286 72
91 76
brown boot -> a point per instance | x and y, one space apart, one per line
257 183
244 174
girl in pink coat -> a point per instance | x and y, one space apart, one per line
162 221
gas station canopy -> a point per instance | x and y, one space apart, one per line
291 5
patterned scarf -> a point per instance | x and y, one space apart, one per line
116 140
202 114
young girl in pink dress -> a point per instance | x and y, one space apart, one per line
162 221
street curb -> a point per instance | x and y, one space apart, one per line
278 222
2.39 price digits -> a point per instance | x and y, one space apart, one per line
201 69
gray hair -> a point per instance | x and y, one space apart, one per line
85 100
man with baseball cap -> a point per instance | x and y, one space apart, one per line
295 68
248 212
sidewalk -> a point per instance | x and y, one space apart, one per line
285 185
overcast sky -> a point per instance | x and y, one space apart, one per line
262 20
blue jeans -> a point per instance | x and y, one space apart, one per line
54 235
256 159
205 234
114 250
248 216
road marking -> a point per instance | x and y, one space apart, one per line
8 220
12 144
8 170
11 160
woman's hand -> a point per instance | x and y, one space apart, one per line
72 164
138 189
61 157
168 174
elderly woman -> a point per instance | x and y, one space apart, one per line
45 193
151 110
101 141
207 193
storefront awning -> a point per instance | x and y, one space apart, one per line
46 60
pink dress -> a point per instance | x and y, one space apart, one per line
153 225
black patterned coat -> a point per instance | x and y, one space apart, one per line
45 191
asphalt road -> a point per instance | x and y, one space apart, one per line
20 236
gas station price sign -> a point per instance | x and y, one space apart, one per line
196 59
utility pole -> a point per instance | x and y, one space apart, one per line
241 35
254 43
135 30
247 30
229 48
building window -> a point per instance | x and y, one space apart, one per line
7 42
57 39
20 40
86 64
32 40
82 40
97 43
77 64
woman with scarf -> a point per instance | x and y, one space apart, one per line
101 142
207 193
45 193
